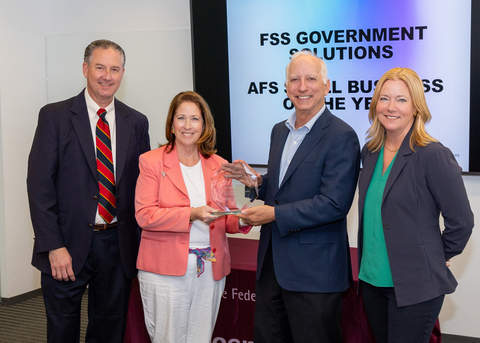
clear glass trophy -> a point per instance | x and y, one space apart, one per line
228 194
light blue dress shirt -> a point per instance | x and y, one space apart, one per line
294 139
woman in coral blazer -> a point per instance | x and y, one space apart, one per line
184 256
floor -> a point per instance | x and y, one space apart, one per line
25 322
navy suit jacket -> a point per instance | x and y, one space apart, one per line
421 184
309 237
62 181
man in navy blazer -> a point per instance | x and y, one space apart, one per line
303 262
74 246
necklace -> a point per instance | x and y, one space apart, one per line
390 149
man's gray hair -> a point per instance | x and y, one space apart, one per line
103 44
307 53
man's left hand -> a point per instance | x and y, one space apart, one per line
258 215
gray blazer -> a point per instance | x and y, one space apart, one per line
421 185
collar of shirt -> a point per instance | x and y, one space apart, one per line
92 108
294 139
290 123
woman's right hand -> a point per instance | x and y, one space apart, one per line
203 214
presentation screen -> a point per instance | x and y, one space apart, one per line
243 46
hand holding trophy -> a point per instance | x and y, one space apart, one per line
222 192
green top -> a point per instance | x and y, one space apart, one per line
375 267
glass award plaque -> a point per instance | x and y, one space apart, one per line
224 196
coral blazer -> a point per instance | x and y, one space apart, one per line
163 209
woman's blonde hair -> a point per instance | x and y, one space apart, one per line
376 133
206 142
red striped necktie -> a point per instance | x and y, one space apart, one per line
106 180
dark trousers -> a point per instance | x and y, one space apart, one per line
393 324
283 316
108 294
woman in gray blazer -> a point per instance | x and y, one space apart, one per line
408 179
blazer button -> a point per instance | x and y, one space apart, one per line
214 250
386 226
276 202
90 225
95 197
212 227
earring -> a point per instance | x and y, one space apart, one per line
173 131
415 114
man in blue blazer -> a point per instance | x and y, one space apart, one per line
75 246
303 262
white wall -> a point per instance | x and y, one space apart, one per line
156 37
22 92
46 39
460 311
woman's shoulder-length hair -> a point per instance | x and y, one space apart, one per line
206 142
376 132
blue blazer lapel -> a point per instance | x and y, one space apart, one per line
82 127
276 150
309 142
123 137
